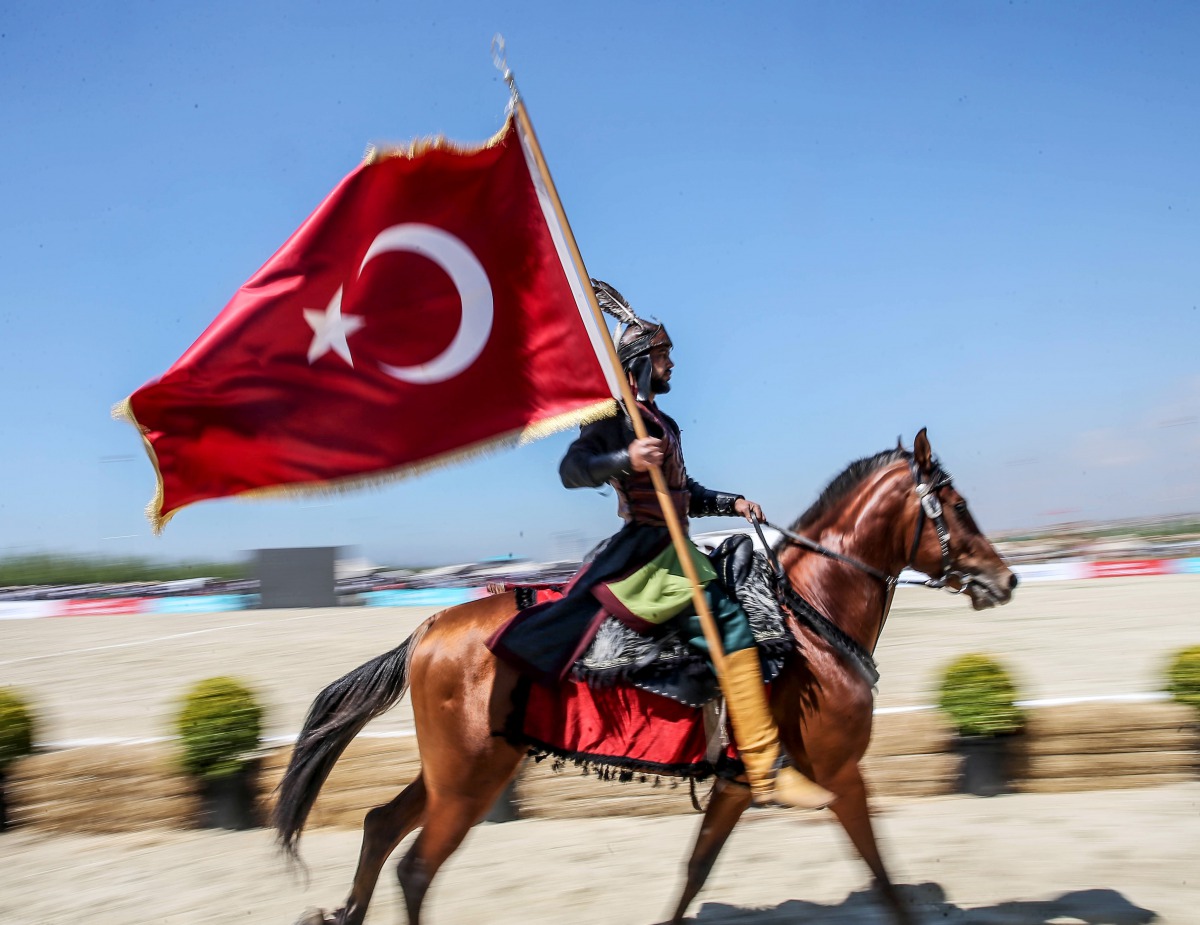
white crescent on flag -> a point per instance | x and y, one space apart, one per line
474 289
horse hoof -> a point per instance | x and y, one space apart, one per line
315 917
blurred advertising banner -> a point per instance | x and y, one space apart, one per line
101 605
423 597
205 603
27 610
1128 567
1051 571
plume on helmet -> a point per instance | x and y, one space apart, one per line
615 304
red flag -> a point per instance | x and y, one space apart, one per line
426 311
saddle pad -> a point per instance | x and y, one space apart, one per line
619 727
665 665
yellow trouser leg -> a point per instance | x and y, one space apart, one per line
757 738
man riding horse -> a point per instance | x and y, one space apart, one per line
635 575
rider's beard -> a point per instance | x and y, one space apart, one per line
659 386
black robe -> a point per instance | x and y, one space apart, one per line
544 641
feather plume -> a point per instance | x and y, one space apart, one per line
615 304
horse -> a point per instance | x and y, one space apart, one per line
843 556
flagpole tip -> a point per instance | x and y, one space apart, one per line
500 59
499 54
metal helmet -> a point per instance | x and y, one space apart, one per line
635 337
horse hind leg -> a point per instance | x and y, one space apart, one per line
383 829
449 816
728 803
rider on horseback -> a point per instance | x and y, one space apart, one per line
635 575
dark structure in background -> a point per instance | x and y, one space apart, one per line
296 577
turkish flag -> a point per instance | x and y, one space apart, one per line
426 311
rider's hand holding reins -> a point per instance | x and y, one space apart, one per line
749 509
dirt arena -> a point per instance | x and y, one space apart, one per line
1100 857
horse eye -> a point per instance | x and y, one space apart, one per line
960 508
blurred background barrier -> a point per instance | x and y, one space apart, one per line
206 603
449 596
422 597
115 788
27 610
1051 571
361 593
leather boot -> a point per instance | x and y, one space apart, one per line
757 739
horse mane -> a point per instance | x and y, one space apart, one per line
847 481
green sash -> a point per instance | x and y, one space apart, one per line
659 590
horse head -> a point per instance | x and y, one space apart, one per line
889 511
947 544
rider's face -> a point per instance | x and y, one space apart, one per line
660 369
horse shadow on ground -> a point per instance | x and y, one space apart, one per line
929 904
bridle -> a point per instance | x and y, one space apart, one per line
929 508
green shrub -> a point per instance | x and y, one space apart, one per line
16 728
1183 676
979 696
219 723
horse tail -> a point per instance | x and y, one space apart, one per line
338 714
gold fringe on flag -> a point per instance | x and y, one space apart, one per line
418 146
123 411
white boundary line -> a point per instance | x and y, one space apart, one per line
1145 697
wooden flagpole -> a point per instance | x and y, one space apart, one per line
682 546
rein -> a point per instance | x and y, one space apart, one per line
806 613
859 657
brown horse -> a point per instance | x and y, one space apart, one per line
871 522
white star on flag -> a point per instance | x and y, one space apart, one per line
330 329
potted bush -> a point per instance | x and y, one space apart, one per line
1183 683
1183 676
16 739
979 697
219 725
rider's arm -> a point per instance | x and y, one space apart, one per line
708 503
600 453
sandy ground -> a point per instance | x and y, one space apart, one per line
1098 858
1112 858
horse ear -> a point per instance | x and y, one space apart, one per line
921 451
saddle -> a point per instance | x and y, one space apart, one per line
663 664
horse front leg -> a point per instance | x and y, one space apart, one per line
854 814
726 806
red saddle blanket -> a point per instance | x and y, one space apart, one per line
619 727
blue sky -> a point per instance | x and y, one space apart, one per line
858 219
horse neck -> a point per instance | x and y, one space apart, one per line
870 526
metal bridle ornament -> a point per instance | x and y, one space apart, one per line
931 509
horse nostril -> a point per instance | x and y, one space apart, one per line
1013 581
